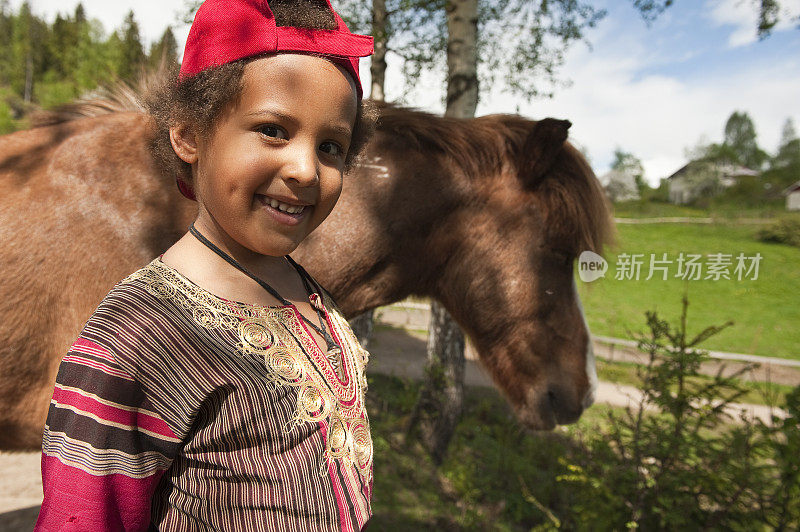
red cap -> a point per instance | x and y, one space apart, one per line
228 30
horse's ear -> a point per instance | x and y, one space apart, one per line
541 148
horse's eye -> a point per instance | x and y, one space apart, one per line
563 256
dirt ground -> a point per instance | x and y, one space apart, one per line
20 491
394 351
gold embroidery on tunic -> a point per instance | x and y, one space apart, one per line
273 334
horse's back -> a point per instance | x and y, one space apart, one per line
82 205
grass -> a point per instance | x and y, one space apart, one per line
764 311
654 209
493 473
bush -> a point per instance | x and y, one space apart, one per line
11 108
676 459
7 123
779 505
51 94
784 231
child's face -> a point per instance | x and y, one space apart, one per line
271 171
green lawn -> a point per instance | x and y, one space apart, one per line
654 209
765 311
651 209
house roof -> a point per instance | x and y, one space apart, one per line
737 170
791 188
725 169
680 171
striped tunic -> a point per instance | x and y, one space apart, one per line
178 410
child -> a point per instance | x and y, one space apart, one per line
218 388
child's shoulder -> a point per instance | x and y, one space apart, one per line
136 310
144 289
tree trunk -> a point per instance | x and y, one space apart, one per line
439 407
378 67
362 327
441 399
28 78
462 58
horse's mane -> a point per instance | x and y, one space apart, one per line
117 97
576 205
479 145
575 202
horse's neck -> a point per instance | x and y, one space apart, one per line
372 249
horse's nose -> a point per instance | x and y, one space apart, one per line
564 404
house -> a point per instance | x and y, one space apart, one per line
792 193
619 185
705 178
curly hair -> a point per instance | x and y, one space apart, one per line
201 99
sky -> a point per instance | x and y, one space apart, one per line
654 91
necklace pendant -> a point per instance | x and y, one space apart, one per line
335 358
316 301
335 355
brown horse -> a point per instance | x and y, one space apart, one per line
485 215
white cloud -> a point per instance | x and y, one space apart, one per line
743 16
656 117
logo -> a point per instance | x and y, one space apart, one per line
591 266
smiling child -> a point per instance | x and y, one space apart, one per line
218 387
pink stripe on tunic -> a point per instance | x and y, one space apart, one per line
87 347
96 365
76 500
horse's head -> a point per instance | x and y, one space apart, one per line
509 277
487 216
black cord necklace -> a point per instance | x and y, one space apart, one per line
334 351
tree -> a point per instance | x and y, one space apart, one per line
740 139
92 55
21 48
132 57
164 51
784 167
631 165
442 396
789 149
769 15
378 64
6 29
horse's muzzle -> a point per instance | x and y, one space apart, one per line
566 409
556 405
